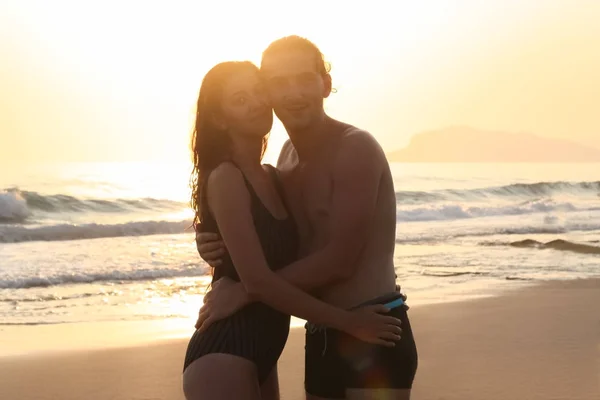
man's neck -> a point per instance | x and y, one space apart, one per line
310 140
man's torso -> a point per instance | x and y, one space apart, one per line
309 190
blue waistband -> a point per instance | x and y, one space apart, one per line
390 300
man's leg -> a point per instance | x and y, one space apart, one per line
382 373
323 373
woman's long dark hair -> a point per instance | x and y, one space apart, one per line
211 145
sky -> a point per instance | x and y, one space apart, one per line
118 80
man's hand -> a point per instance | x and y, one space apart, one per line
224 299
210 248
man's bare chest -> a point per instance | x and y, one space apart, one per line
309 190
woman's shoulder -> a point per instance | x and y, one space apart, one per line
226 178
225 171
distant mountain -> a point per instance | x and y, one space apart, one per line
464 144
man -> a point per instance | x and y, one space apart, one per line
339 188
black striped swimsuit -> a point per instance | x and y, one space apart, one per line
257 332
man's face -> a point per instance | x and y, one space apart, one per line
296 88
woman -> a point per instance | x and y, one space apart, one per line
233 194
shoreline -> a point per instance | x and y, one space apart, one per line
538 342
23 339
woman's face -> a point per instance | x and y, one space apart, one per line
244 105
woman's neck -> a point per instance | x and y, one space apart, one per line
246 154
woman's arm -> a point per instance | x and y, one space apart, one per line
229 201
355 179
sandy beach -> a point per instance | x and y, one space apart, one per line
540 342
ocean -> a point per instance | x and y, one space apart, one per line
112 241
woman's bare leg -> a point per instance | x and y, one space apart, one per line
270 387
221 377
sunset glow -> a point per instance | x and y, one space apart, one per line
118 81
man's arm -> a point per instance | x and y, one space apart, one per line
357 174
229 201
356 177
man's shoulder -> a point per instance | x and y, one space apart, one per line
287 155
359 141
287 147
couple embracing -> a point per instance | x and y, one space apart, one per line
313 237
